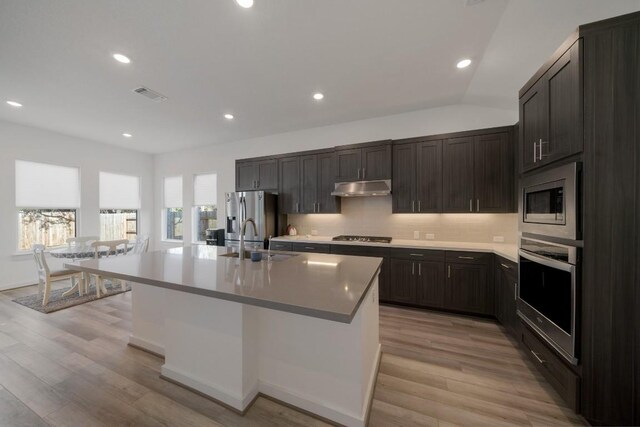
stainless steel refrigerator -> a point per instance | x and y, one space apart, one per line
258 205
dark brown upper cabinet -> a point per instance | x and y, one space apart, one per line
306 183
257 175
551 112
318 173
417 177
290 181
364 163
478 173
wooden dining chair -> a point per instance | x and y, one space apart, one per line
113 248
46 276
141 245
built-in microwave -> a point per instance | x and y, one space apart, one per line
548 293
550 202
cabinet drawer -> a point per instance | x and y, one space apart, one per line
560 376
311 247
417 254
359 250
468 257
281 246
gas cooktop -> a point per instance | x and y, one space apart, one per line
364 239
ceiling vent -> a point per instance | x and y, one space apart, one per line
152 95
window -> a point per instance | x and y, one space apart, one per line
118 224
119 204
47 198
172 213
205 211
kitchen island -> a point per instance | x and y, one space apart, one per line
300 328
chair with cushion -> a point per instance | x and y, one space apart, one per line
46 276
141 245
109 248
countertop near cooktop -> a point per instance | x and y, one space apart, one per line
505 250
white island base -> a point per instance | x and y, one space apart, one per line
231 351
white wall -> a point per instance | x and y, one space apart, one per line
28 143
221 158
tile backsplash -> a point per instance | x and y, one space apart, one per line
372 216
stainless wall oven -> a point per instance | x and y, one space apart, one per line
550 203
548 293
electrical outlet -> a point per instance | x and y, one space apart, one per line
314 232
416 235
498 239
429 236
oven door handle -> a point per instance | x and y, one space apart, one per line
559 265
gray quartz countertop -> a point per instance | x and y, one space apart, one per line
325 286
505 250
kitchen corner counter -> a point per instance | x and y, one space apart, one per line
505 250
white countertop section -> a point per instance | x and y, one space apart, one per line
508 251
318 285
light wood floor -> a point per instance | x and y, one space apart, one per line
73 368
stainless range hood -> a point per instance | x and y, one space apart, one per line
380 187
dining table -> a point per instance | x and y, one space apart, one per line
77 252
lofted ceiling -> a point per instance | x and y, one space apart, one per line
369 57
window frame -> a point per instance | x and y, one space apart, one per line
20 251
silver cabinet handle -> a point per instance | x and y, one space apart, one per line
358 173
515 291
413 206
309 247
466 257
363 169
318 206
478 205
419 269
470 205
413 268
419 210
535 154
505 266
297 207
449 271
542 361
416 254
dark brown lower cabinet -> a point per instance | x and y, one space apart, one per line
320 248
468 286
403 282
505 279
559 374
430 284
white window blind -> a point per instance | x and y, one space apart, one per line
205 190
40 185
119 191
173 192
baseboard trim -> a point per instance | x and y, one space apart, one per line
144 345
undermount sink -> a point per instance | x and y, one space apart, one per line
265 256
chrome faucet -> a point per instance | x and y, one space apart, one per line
243 229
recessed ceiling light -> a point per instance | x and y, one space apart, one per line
121 58
245 3
464 63
318 96
127 135
228 116
14 104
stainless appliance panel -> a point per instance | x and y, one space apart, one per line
549 203
547 292
250 204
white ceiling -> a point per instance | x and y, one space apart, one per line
369 57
